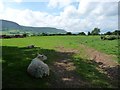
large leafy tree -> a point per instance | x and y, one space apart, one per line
108 33
95 31
89 33
116 32
68 33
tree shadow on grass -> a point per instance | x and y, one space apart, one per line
88 70
15 61
14 64
114 74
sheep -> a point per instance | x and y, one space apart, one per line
37 67
31 46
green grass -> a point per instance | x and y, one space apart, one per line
87 70
16 58
106 46
15 63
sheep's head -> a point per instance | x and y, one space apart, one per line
41 57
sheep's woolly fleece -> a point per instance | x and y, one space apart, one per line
38 68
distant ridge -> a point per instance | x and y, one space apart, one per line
13 27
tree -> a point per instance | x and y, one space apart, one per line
44 34
68 33
95 31
108 33
89 33
116 32
81 33
24 35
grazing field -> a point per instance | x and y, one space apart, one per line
70 58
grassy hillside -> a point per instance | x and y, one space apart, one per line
16 59
9 27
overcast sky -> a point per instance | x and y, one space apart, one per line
71 15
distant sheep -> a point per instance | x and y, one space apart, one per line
31 46
37 67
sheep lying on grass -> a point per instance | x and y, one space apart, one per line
37 67
110 37
31 46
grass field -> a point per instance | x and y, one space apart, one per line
107 46
16 58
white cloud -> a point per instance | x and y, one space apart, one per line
24 17
69 12
85 18
1 7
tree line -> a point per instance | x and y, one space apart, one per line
95 31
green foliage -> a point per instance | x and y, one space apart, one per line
116 32
89 33
68 33
24 35
108 33
95 31
81 33
44 34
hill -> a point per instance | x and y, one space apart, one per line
9 27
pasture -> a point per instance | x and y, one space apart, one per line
71 59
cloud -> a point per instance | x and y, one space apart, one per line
84 18
24 17
69 12
1 7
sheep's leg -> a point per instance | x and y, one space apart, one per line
40 72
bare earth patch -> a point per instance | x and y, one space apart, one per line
69 66
63 49
97 56
64 68
105 62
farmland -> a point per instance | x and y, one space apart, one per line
77 51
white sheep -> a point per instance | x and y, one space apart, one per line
37 67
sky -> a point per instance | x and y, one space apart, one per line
70 15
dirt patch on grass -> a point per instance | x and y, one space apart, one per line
66 76
99 57
66 65
63 49
106 63
65 69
